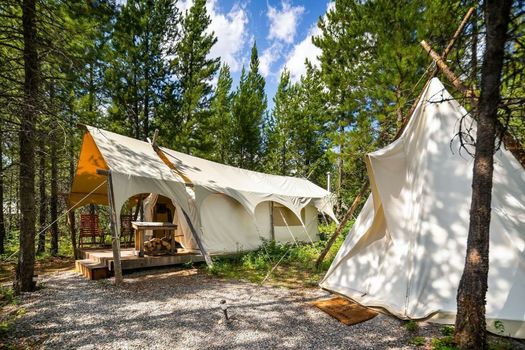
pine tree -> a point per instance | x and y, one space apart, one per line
30 109
249 105
296 133
221 117
138 74
370 85
194 71
279 147
311 137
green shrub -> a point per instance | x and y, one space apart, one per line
296 261
411 326
220 267
447 330
7 296
418 341
444 343
499 326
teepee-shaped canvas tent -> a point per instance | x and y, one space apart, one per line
406 250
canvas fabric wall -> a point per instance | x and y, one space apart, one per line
406 250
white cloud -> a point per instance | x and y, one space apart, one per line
283 23
305 50
302 51
230 30
269 56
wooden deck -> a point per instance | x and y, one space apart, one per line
97 263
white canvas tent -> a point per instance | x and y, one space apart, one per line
406 250
229 208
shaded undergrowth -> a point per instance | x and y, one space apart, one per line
286 264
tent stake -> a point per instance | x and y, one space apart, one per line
115 241
365 187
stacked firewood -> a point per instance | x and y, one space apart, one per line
157 246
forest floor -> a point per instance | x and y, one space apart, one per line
176 308
46 265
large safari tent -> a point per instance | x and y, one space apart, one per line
227 208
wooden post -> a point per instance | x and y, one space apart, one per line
155 136
456 82
342 224
508 140
115 241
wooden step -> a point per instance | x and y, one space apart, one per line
92 270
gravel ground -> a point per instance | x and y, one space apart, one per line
180 310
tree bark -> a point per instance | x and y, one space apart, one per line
43 200
470 330
54 183
71 213
26 256
2 223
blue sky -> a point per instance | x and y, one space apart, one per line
282 29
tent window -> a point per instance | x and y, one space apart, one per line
283 216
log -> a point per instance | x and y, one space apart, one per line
434 71
509 141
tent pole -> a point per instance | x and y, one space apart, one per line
342 224
436 69
508 140
115 241
203 250
272 227
365 187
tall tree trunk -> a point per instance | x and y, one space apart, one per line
340 164
71 213
26 256
43 200
2 223
474 47
145 126
53 205
470 320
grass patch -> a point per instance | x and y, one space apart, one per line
443 343
411 326
9 311
7 297
418 341
447 330
295 262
